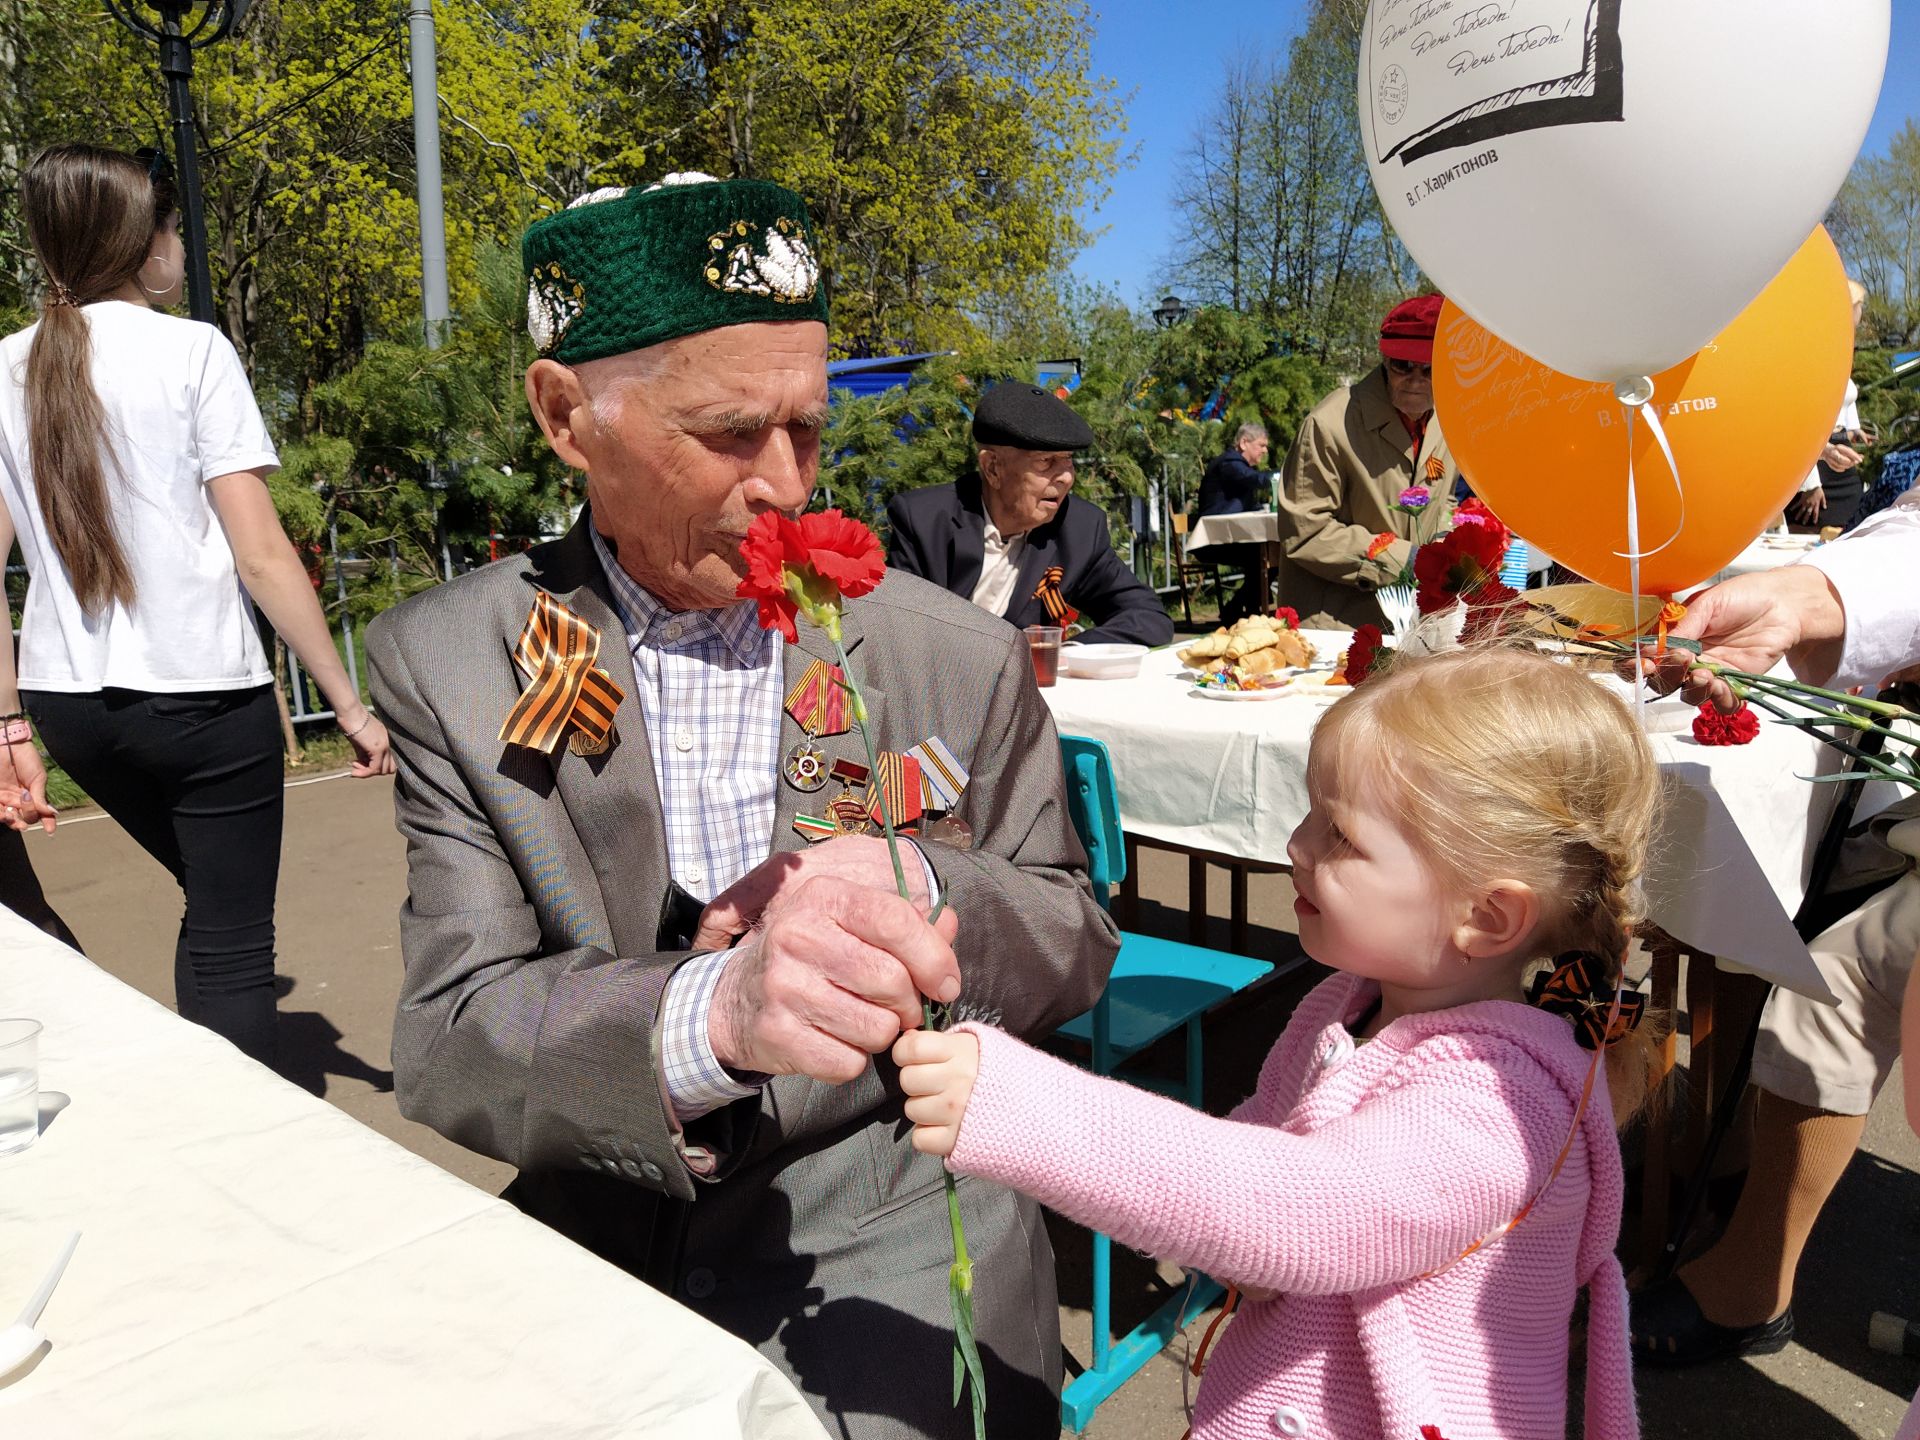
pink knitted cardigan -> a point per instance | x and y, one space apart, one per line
1350 1173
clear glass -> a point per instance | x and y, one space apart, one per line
1044 641
19 1084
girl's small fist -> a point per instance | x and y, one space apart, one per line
937 1071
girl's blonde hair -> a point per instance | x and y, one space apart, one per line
1507 764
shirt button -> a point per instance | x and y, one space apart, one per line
683 742
696 876
701 1283
650 1170
1289 1421
672 632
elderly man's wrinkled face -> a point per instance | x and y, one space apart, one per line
1024 488
1411 386
684 443
1253 449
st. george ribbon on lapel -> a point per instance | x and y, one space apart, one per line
1049 594
557 650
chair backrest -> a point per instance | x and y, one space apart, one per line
1094 807
1179 522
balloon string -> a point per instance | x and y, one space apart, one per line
1633 558
1633 553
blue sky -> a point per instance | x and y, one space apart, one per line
1171 57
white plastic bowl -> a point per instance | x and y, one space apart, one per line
1102 662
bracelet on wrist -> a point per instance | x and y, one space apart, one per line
18 731
349 734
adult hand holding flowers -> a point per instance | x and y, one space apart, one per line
763 892
833 977
1747 624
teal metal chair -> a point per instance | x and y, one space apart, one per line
1157 987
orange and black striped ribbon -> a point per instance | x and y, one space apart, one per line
818 702
1049 595
897 784
557 649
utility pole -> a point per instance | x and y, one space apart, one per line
437 312
426 159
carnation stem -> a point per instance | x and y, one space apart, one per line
960 1274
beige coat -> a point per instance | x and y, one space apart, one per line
1348 465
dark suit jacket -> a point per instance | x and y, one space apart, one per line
527 1019
939 534
1230 485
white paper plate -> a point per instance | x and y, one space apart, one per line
1209 692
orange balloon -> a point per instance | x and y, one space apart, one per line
1746 418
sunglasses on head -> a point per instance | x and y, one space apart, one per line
1409 367
159 167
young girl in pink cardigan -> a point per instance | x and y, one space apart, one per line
1472 816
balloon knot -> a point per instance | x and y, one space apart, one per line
1633 390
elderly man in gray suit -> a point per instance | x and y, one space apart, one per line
695 1094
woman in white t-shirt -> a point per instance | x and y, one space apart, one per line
132 472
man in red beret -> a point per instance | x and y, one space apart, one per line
1359 449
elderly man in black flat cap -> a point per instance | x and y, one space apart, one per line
1012 540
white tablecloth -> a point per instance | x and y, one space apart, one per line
1229 777
1769 552
255 1263
1258 527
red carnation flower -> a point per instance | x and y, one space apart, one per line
1473 511
807 565
1288 616
1459 562
1362 654
1379 545
1710 727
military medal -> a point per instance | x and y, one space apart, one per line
896 789
942 776
818 705
813 829
848 809
805 767
949 830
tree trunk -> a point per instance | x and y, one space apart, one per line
287 736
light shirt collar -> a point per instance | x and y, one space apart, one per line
653 625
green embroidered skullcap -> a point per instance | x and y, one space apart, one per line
621 269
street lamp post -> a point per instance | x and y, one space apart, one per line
1170 312
182 27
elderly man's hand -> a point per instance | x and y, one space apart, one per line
833 976
757 897
1748 623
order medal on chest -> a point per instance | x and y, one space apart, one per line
916 790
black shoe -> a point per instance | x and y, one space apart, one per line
1670 1332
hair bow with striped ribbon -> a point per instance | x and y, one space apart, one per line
557 650
1577 988
1048 593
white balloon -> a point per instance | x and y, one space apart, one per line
1605 184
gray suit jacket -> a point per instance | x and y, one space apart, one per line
526 1023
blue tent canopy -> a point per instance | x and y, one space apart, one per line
875 373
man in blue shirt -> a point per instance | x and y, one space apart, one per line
1233 484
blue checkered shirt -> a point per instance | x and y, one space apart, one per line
709 688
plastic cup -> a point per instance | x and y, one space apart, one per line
1044 642
19 1084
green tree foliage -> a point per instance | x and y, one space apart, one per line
1140 389
944 148
1278 218
1876 222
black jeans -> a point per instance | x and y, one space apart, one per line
196 779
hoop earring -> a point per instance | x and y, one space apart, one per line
143 284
